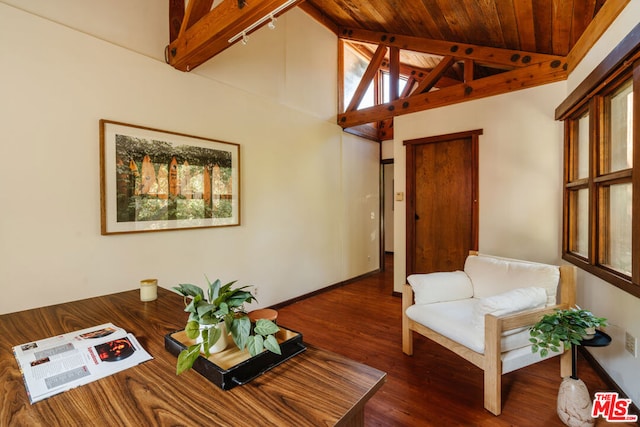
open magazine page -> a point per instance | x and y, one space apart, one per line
53 365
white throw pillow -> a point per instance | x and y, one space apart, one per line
439 287
510 302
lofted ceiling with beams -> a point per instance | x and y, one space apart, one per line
449 50
542 26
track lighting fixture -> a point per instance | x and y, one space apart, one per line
271 17
272 23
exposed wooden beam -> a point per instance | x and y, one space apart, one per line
481 54
196 9
367 77
394 73
176 17
385 129
431 79
417 73
468 70
210 34
603 19
386 65
520 78
408 87
341 100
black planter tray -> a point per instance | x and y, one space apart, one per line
601 339
232 367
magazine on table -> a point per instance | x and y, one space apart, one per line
56 364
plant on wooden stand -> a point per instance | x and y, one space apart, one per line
568 326
222 304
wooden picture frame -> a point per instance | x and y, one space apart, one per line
157 180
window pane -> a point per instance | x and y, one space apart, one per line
617 221
580 222
354 68
583 147
368 99
386 79
621 128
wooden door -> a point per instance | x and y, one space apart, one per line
442 196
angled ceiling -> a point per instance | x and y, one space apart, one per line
461 49
542 26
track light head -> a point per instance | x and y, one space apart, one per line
272 23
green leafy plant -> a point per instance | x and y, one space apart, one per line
562 328
223 303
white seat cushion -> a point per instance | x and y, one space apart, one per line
454 320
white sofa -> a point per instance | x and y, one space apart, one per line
483 313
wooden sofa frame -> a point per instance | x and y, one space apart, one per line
490 362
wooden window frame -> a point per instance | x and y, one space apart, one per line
621 65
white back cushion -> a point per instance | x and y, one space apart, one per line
493 275
438 287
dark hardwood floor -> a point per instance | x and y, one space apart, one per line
434 387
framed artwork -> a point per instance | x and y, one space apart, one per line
156 180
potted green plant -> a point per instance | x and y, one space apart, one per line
220 312
563 327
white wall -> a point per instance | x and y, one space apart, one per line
620 308
141 26
305 185
293 64
520 171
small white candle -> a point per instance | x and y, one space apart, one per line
148 289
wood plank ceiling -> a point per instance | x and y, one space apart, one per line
449 50
543 26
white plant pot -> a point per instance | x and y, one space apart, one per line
219 345
589 333
574 403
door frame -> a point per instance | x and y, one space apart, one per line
411 190
383 197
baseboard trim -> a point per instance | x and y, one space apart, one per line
323 290
607 378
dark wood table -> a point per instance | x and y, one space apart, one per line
314 388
